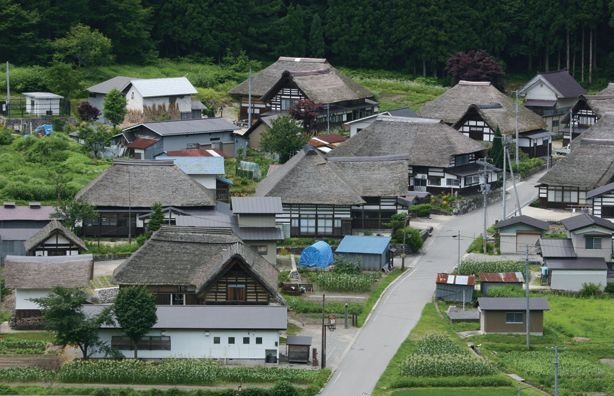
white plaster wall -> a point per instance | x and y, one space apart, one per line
134 100
23 296
198 343
208 181
540 91
572 280
354 128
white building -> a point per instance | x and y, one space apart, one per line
42 103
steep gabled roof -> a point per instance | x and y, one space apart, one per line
585 220
533 222
425 142
321 82
142 183
590 163
42 272
383 176
600 104
193 256
119 82
600 190
453 104
50 229
561 82
498 116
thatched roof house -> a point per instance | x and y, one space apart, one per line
590 164
54 237
194 258
30 272
289 80
499 109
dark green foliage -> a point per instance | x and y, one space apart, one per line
83 46
496 151
62 79
75 212
95 136
527 165
52 148
317 47
135 312
283 388
413 240
342 266
156 219
590 290
421 210
63 315
114 107
609 288
6 137
285 138
477 246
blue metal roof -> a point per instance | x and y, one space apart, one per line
197 165
363 244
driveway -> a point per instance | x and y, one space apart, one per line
400 307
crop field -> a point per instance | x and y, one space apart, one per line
356 283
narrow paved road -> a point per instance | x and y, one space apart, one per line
400 307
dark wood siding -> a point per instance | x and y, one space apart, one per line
236 286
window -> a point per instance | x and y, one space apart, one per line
287 103
514 317
452 182
434 181
592 242
308 225
231 340
216 340
215 139
555 123
461 159
258 340
236 292
262 249
325 225
132 95
178 299
108 220
472 180
246 340
147 343
607 212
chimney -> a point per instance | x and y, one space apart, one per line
9 205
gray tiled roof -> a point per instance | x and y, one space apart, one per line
556 248
600 190
256 317
512 303
119 83
188 127
168 86
563 82
533 222
585 220
580 263
256 205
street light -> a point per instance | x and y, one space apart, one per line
331 325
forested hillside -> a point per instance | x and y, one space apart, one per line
411 36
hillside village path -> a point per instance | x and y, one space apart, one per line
400 307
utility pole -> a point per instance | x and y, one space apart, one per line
328 118
570 128
249 98
517 142
404 241
323 353
458 263
129 206
485 188
527 280
504 144
509 161
556 370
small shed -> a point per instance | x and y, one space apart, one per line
368 252
298 348
570 274
451 287
508 315
42 103
318 255
518 232
498 279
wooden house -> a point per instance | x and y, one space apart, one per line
440 159
519 233
151 139
478 109
43 103
129 189
280 85
54 240
20 223
218 299
601 200
588 110
552 95
35 277
508 315
589 165
449 287
332 196
370 253
488 280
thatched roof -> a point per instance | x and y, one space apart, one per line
452 105
590 163
609 90
320 82
141 184
192 256
498 116
310 178
54 227
43 272
425 142
601 103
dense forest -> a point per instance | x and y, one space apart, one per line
416 36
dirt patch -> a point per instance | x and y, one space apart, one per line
581 339
609 362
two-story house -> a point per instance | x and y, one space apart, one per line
20 223
216 297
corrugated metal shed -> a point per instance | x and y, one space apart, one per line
155 87
34 212
256 205
363 244
501 277
450 279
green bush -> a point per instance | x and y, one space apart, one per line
6 137
590 290
421 210
505 291
609 288
413 239
342 266
301 305
526 165
477 246
443 365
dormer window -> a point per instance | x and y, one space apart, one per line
592 242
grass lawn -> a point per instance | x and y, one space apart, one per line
499 391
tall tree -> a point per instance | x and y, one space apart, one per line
63 315
63 79
95 136
83 46
18 40
135 312
156 219
114 107
284 138
496 150
291 32
317 48
475 66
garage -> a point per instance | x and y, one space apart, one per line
572 273
527 238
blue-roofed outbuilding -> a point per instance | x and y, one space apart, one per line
368 252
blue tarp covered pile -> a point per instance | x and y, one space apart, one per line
318 255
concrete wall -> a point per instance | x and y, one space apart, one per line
572 280
494 322
358 126
199 343
271 247
23 296
256 220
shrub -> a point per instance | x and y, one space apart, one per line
6 137
342 266
443 365
590 290
412 238
505 291
477 246
421 210
609 288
